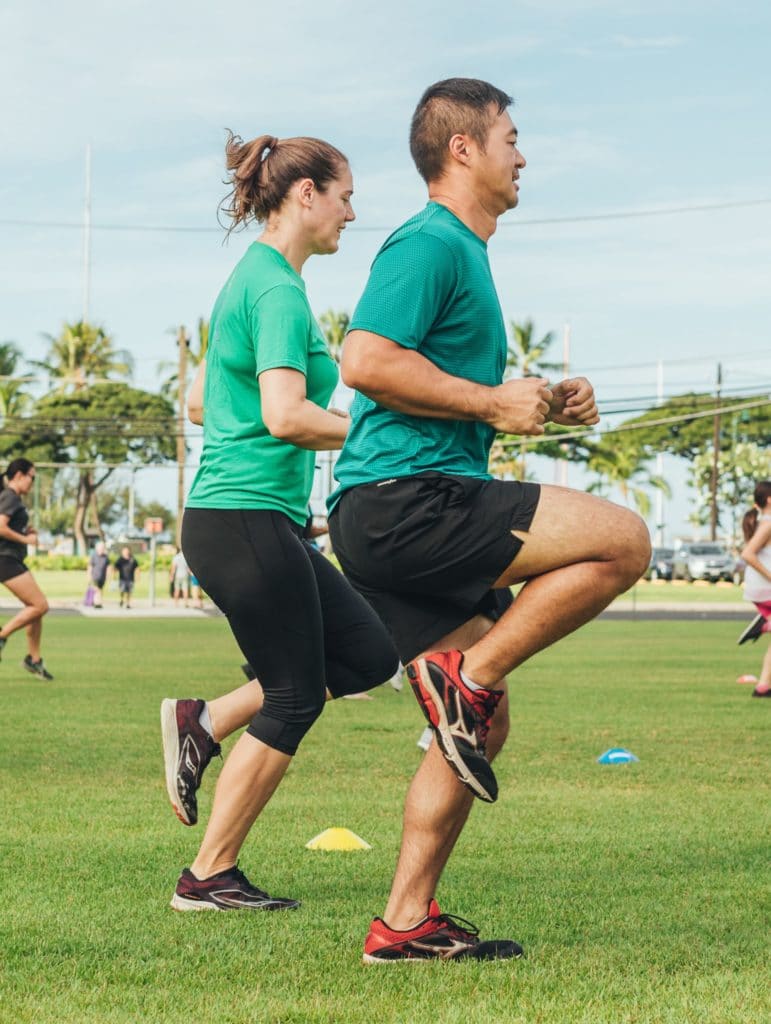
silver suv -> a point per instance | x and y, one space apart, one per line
703 561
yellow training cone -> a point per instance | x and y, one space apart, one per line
337 839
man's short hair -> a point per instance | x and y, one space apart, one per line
451 107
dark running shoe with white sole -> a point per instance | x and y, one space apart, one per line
227 890
187 750
753 631
37 668
437 937
460 718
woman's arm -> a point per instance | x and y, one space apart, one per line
290 416
760 538
195 397
17 538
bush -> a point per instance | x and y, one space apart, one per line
35 562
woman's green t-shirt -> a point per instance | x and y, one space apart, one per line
261 321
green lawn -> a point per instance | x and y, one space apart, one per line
640 892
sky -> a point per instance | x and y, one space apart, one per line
622 108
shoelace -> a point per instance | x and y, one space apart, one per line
458 924
241 877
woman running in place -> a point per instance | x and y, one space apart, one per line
298 622
757 578
15 534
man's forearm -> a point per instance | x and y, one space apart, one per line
405 381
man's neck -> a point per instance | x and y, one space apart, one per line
466 208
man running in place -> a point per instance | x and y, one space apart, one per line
420 527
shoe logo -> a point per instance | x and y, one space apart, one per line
190 755
234 898
446 952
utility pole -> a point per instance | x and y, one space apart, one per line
183 343
659 461
715 456
87 238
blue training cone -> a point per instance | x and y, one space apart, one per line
617 755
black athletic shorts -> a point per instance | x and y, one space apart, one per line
424 550
10 567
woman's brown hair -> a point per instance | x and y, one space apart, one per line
263 171
761 497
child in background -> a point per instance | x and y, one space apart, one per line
757 579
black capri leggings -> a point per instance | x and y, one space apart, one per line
297 620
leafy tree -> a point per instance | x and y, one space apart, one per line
738 470
688 438
335 327
97 426
15 401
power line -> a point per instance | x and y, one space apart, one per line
662 422
380 228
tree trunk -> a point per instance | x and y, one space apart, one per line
81 506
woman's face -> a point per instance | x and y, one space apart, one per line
330 211
23 482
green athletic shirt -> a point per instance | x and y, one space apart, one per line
429 289
261 321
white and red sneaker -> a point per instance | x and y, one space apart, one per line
437 937
459 716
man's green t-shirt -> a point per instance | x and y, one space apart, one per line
429 289
261 321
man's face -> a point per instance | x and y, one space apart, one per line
497 168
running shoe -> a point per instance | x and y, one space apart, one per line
761 693
37 668
460 718
437 937
227 890
754 630
187 750
3 642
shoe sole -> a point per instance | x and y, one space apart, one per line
180 903
170 740
444 736
747 634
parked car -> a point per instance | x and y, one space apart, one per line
660 567
703 561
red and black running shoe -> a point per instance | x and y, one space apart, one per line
437 937
187 750
460 717
227 890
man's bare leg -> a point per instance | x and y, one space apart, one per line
579 554
436 809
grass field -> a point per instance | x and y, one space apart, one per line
640 892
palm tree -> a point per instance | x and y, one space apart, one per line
14 400
335 327
83 354
625 469
525 358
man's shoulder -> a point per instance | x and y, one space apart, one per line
9 500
